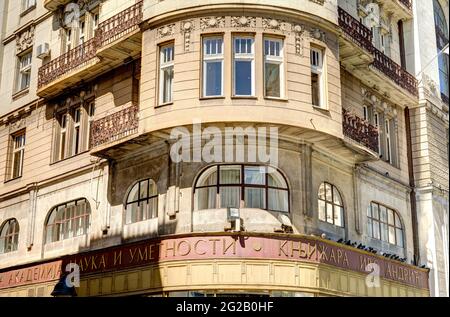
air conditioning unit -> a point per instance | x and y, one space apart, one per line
43 51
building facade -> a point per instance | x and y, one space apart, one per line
131 132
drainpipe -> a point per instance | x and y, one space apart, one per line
415 227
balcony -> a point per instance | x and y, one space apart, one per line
360 131
401 9
359 57
52 5
355 46
114 128
116 40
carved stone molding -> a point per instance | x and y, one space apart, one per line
186 28
243 21
299 39
25 40
212 22
274 24
166 30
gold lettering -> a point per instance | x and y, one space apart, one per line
188 249
132 254
339 255
151 249
303 253
281 248
362 262
142 256
323 253
93 264
102 262
332 256
232 244
196 247
346 260
170 248
214 241
118 258
312 250
81 265
295 249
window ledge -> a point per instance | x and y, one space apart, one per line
212 97
25 12
164 104
20 93
277 99
326 109
12 179
245 97
68 158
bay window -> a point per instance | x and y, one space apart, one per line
244 66
273 68
213 66
166 65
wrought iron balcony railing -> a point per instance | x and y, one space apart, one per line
360 130
395 72
115 126
356 30
109 31
119 25
66 62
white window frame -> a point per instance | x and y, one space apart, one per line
388 144
24 70
27 4
63 121
163 65
318 68
68 40
18 144
82 35
91 114
77 117
275 59
244 57
208 58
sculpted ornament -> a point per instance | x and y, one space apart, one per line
25 40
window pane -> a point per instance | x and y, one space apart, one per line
134 194
339 216
384 232
322 191
206 198
230 175
167 84
329 213
255 175
276 180
213 80
230 197
322 210
143 190
243 78
255 198
278 200
391 217
152 208
391 235
383 214
328 192
336 197
369 228
315 89
398 223
272 80
375 211
376 229
399 233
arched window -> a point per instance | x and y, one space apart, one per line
441 41
224 186
331 207
142 202
68 220
384 224
9 236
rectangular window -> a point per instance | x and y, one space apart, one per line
76 144
62 136
166 65
376 120
24 72
388 144
68 39
27 4
212 67
273 68
244 66
18 151
317 78
91 114
82 32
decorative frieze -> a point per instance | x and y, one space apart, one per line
166 30
243 22
212 22
25 39
186 28
274 24
299 39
